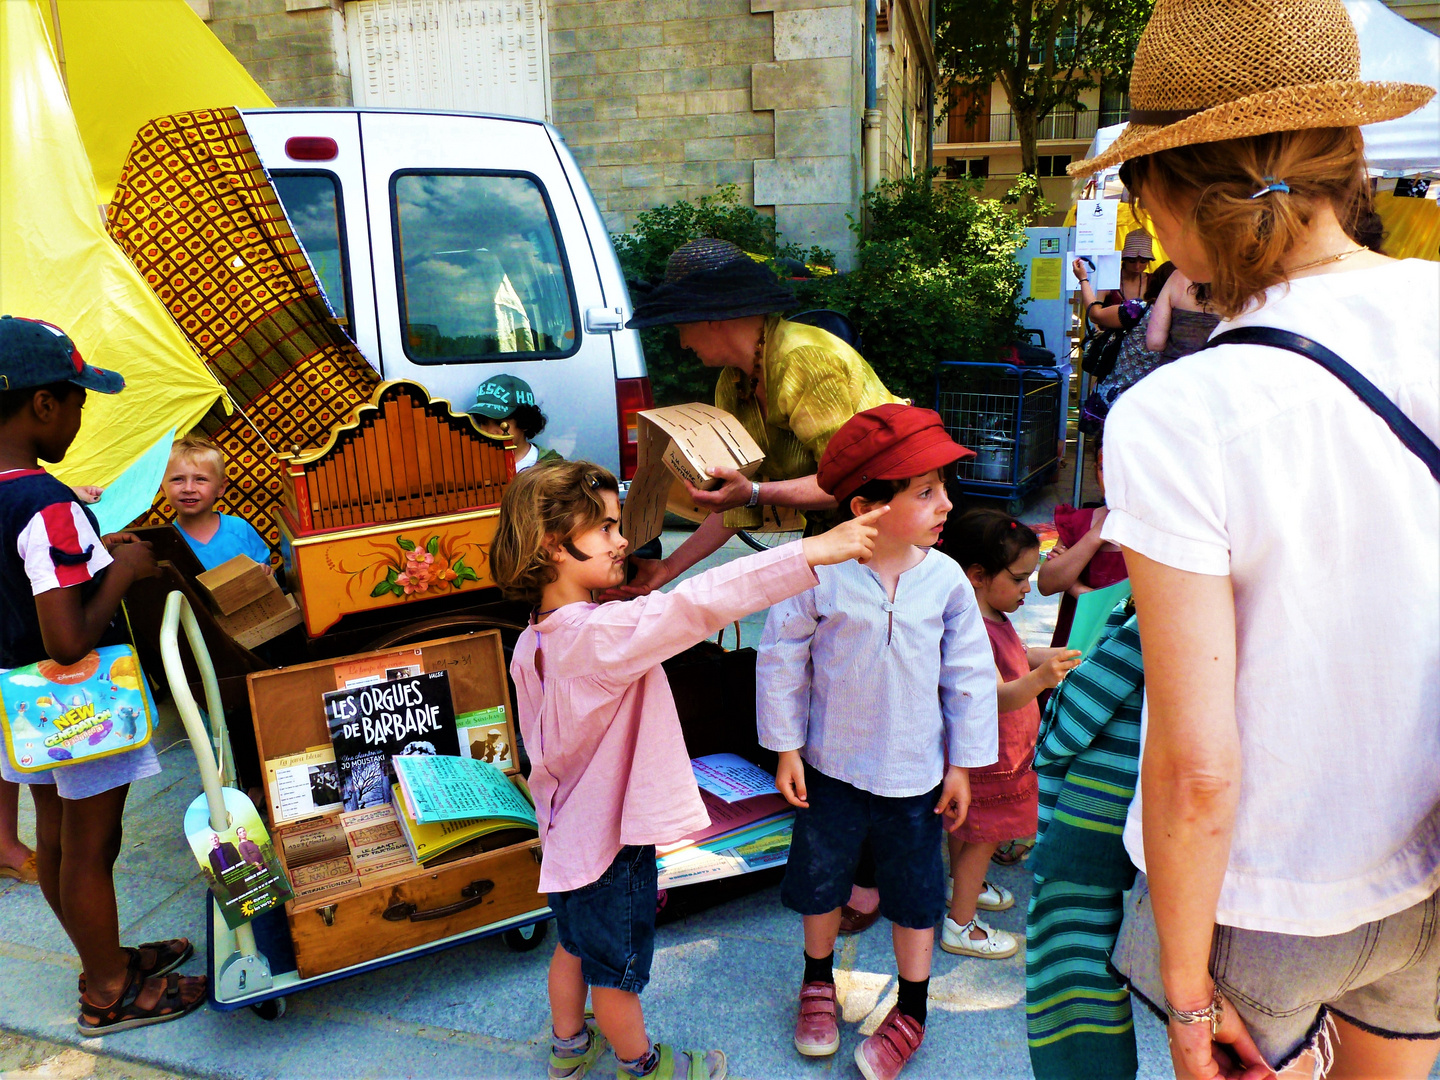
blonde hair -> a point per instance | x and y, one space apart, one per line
1246 240
546 504
195 447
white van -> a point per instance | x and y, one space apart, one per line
454 247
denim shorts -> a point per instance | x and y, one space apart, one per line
610 923
905 837
83 779
1383 977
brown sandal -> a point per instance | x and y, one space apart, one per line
171 1003
169 955
857 922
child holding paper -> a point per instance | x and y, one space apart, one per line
610 773
999 554
878 691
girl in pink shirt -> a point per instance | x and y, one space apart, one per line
610 773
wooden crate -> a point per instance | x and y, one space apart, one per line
408 906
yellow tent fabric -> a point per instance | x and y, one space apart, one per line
1412 227
57 263
129 62
1125 223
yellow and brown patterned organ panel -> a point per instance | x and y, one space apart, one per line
400 504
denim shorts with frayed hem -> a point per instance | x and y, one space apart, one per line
905 837
1383 977
610 923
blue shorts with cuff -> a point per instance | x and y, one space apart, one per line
905 836
610 923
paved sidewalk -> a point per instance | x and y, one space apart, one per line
726 977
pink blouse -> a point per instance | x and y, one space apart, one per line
608 761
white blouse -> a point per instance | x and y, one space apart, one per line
1258 464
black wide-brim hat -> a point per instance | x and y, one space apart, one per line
711 280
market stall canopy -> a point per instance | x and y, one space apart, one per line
57 263
126 63
1391 50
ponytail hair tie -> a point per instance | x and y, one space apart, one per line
1272 185
1012 523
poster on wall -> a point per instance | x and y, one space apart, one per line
1095 224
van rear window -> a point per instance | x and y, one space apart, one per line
480 267
311 202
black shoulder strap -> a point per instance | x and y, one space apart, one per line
1414 439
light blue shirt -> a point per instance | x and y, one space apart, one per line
880 693
235 536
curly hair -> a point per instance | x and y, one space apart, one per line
546 504
990 539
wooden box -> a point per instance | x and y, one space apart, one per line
413 905
237 583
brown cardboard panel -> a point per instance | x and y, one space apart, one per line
266 618
681 441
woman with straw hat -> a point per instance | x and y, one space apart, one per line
1120 309
1278 528
790 384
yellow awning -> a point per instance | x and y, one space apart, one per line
57 263
129 62
1412 227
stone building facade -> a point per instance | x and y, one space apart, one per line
658 99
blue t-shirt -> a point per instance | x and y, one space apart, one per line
235 536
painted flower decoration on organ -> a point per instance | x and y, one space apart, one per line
424 569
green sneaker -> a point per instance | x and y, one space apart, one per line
573 1068
698 1065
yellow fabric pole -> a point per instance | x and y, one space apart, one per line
1412 227
128 62
57 263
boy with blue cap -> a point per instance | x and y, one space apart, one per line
61 584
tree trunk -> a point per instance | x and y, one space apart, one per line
1026 127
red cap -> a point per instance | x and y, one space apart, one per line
890 442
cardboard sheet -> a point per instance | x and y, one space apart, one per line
684 441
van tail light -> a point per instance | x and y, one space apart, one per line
632 396
311 148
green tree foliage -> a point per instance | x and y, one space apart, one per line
1044 53
936 278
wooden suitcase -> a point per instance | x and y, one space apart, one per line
409 906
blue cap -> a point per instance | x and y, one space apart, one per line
37 353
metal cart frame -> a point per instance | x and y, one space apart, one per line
1010 415
240 974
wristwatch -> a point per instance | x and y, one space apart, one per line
1213 1014
754 495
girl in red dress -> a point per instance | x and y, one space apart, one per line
999 555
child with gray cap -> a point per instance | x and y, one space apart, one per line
505 410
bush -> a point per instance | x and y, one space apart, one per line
936 278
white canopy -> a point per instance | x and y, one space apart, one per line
1391 50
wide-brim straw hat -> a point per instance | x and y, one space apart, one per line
1209 70
709 280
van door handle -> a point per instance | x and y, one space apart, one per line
604 320
473 893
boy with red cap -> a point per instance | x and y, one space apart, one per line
877 688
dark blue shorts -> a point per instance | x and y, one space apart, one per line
905 835
610 923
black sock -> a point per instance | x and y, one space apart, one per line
913 998
821 970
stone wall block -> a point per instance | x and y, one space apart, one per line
642 35
711 149
814 132
684 79
574 63
804 181
814 34
717 101
823 224
801 84
804 5
755 146
660 105
561 42
573 112
731 76
623 109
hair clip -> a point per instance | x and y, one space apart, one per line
1012 523
1272 185
592 481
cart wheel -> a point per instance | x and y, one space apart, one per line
273 1009
525 938
1015 507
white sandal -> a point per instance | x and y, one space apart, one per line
992 897
995 945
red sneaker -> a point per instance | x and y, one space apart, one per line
817 1029
884 1054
